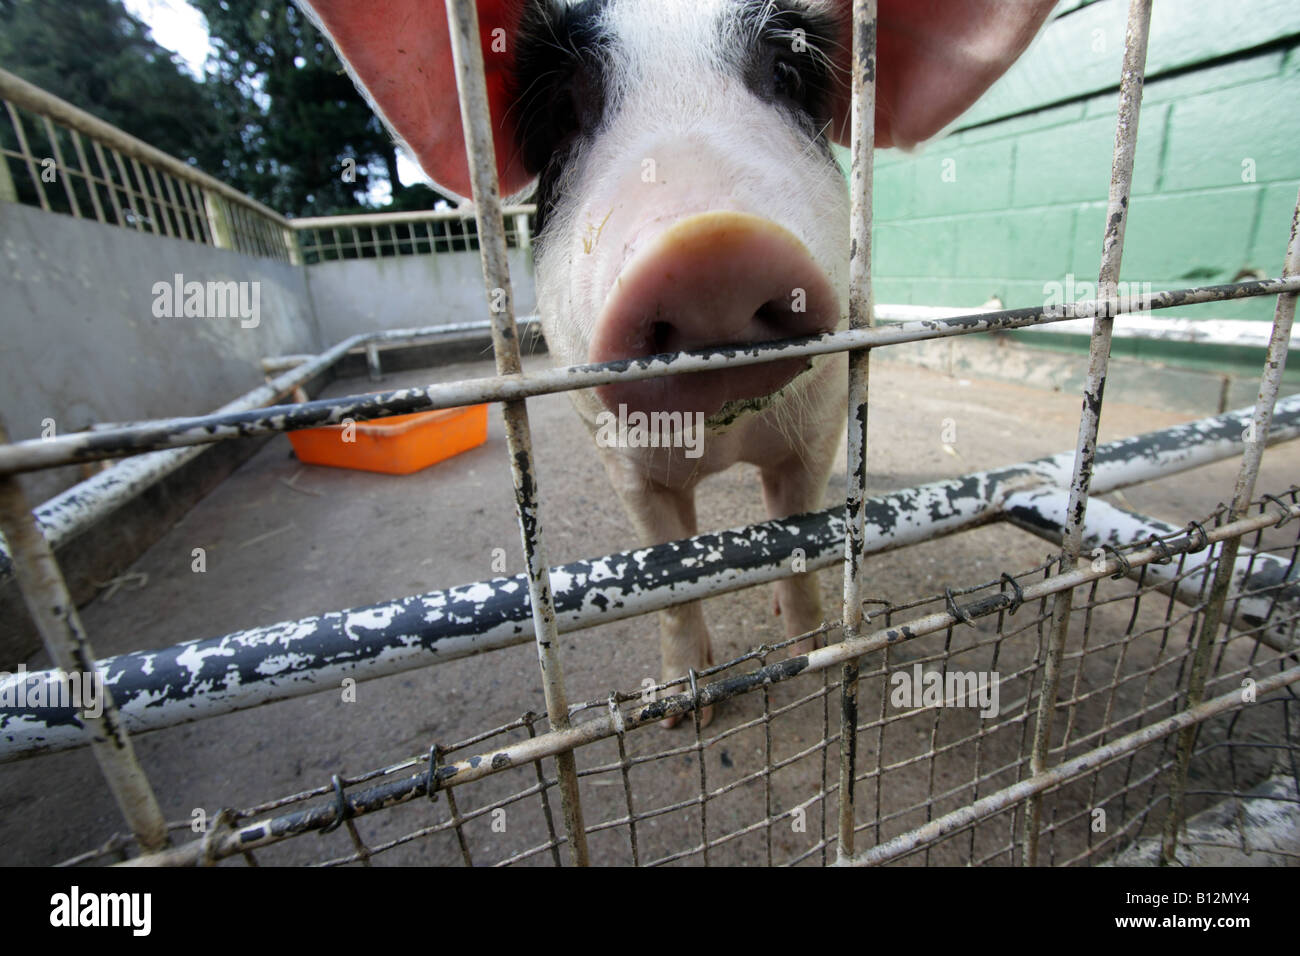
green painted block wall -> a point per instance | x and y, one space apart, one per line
1015 196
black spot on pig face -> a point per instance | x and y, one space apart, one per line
561 65
567 54
786 61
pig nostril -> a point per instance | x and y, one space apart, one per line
774 316
660 333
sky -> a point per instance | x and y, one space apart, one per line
180 28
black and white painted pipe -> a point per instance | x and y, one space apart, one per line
197 679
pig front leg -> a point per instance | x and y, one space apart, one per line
660 514
792 488
796 483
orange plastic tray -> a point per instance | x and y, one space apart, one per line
398 445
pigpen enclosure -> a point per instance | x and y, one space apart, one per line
1077 684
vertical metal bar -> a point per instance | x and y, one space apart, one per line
529 719
767 763
55 614
26 152
1121 181
194 205
862 143
179 211
163 212
126 188
108 182
292 247
704 779
623 765
145 199
8 191
476 118
1270 384
219 227
86 174
60 168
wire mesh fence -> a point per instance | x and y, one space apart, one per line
1059 715
61 159
946 700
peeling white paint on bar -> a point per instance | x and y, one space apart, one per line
1271 603
156 689
35 454
1129 325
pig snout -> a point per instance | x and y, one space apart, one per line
711 280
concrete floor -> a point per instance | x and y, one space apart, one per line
284 540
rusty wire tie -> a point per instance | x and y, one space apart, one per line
225 819
1286 509
886 608
616 715
431 778
960 614
1018 593
695 691
342 809
1166 556
1204 541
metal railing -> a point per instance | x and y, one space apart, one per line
71 162
129 183
382 235
1100 680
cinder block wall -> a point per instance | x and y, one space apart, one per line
1015 196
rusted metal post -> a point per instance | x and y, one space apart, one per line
1121 181
862 143
55 615
471 82
1256 438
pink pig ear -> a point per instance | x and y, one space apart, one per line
399 52
934 58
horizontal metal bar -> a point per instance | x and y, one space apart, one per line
604 725
1271 602
70 512
460 214
1063 773
30 97
1241 333
186 682
35 454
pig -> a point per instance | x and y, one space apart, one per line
679 152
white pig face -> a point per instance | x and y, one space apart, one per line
687 193
680 151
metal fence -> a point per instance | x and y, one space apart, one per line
1137 691
68 161
382 235
78 164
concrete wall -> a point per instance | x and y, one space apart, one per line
354 295
81 343
1016 196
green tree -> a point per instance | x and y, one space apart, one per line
305 125
97 56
